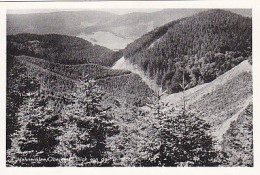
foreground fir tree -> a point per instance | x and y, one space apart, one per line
18 85
87 126
34 142
177 137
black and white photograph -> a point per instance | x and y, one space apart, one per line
129 87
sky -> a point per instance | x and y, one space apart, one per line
116 11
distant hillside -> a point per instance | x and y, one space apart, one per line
130 25
134 25
203 46
66 23
60 49
99 26
94 26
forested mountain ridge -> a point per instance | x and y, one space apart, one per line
134 25
61 49
197 30
204 46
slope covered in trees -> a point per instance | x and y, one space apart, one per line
203 46
60 49
121 86
74 128
179 137
67 132
75 72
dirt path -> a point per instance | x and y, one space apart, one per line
226 125
123 64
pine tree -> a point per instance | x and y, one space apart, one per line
83 142
18 85
178 137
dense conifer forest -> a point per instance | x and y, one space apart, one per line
203 46
74 128
61 49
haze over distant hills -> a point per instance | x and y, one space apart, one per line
107 29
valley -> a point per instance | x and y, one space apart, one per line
106 39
